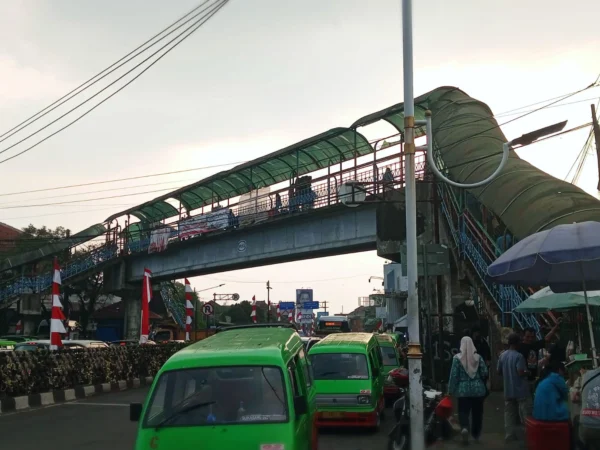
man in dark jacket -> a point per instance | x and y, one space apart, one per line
481 345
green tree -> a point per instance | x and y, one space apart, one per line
33 238
90 297
240 313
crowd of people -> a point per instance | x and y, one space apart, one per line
535 385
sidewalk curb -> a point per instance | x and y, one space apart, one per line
12 404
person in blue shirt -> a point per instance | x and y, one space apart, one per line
551 396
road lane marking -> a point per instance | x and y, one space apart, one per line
97 404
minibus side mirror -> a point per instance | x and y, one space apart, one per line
135 412
300 405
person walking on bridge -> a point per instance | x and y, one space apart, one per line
468 376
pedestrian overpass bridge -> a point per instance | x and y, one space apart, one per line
285 206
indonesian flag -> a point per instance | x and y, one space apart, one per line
57 326
278 313
291 316
146 297
189 309
18 327
253 313
298 316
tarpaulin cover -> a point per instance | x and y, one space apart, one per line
468 143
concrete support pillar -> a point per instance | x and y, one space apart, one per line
447 306
133 316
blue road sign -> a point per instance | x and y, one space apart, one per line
286 306
310 305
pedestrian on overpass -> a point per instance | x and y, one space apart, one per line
468 376
513 369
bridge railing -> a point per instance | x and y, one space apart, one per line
86 262
323 192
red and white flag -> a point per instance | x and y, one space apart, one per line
57 327
18 327
146 297
189 309
291 316
278 313
253 313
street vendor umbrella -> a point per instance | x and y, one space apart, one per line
546 300
566 258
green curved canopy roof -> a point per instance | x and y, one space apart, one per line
468 143
317 152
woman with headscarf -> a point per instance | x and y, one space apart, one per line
468 383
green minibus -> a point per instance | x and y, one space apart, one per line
391 361
245 388
348 375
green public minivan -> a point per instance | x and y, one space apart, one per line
391 361
246 387
348 374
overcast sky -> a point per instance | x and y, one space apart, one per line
259 76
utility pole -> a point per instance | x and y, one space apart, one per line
269 301
415 356
596 129
324 306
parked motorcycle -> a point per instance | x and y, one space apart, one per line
437 410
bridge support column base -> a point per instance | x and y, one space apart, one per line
133 317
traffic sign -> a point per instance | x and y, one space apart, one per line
305 316
207 309
286 306
310 305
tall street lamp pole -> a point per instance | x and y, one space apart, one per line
414 347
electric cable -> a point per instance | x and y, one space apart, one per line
121 179
464 163
194 27
51 107
525 114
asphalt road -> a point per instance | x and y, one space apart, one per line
102 423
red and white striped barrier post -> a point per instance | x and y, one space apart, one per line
57 327
146 297
253 313
189 309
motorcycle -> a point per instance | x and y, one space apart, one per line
437 410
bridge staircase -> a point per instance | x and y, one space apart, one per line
174 305
475 250
75 269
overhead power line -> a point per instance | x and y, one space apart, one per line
190 30
121 179
63 213
99 76
483 158
521 114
